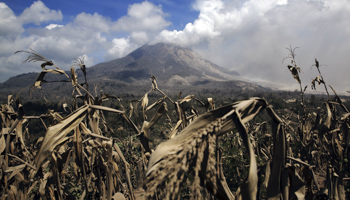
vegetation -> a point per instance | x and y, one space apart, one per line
156 147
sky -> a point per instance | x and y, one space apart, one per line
248 36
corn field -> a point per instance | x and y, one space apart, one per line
267 156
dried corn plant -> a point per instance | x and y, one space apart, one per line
322 138
300 155
262 155
194 152
76 137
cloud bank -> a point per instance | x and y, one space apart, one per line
92 35
250 37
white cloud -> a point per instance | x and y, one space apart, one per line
120 47
251 37
95 22
52 26
10 25
216 20
139 37
38 13
143 22
143 16
56 42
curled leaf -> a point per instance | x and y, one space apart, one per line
295 72
318 79
187 98
154 83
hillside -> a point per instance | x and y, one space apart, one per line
173 66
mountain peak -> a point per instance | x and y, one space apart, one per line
172 65
159 49
168 62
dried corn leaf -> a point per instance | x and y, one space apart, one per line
78 147
74 76
13 192
249 187
32 187
17 168
154 83
104 108
144 102
127 170
2 143
43 184
267 173
346 131
278 162
133 107
187 99
318 79
222 184
40 79
109 168
172 156
155 103
10 102
144 136
295 72
298 190
285 183
210 101
14 170
208 117
175 128
54 71
56 175
181 115
147 125
327 122
56 134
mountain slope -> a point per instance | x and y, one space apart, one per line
175 68
169 63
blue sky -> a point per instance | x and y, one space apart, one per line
179 12
249 36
